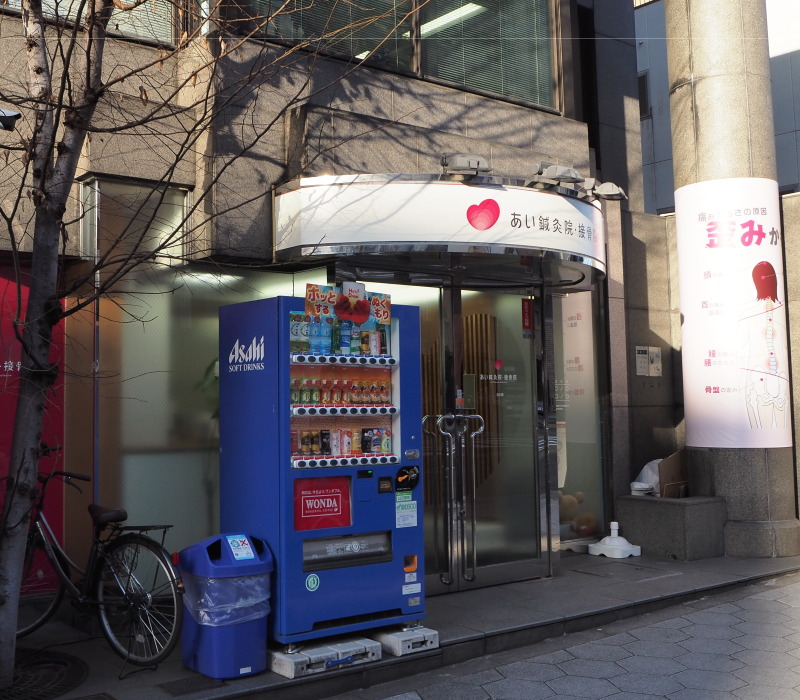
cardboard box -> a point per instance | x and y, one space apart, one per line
672 476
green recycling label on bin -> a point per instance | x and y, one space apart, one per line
312 582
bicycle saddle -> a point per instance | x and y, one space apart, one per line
104 516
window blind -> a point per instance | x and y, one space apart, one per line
377 29
500 46
152 20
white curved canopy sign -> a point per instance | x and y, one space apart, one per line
332 214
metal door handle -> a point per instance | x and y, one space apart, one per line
447 579
474 518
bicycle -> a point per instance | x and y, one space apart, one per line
129 578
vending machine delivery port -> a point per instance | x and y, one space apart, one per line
313 438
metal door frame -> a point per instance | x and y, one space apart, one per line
451 515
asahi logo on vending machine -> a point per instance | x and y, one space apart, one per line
245 358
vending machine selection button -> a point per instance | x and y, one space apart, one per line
385 485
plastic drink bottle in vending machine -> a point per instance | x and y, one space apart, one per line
316 335
377 435
336 336
326 329
347 442
344 338
355 340
296 318
386 441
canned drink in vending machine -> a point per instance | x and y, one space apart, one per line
357 442
377 436
366 440
325 441
315 442
347 442
374 343
336 442
305 442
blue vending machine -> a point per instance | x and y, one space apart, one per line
320 456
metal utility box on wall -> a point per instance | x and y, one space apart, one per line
345 527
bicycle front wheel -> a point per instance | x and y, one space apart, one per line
141 610
42 589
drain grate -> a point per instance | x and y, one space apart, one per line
195 684
44 674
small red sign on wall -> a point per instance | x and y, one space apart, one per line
527 319
322 502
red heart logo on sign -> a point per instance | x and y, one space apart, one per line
484 215
498 364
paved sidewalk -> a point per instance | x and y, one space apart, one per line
734 646
589 592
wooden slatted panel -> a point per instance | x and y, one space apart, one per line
431 405
480 354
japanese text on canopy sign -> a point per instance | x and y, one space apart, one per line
734 346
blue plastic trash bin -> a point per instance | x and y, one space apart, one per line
227 581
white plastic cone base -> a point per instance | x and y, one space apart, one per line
614 546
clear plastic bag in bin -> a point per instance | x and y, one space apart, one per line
217 602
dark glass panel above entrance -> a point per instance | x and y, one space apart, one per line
379 30
500 46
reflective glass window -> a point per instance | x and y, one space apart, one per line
500 46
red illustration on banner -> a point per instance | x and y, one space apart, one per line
322 502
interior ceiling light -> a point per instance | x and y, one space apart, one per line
448 19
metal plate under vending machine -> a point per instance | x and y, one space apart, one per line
320 456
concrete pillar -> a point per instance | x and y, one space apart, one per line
722 127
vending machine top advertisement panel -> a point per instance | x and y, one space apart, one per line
320 455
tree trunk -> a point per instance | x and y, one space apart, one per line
36 379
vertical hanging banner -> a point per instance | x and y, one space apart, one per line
735 358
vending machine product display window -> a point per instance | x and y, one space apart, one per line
320 414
